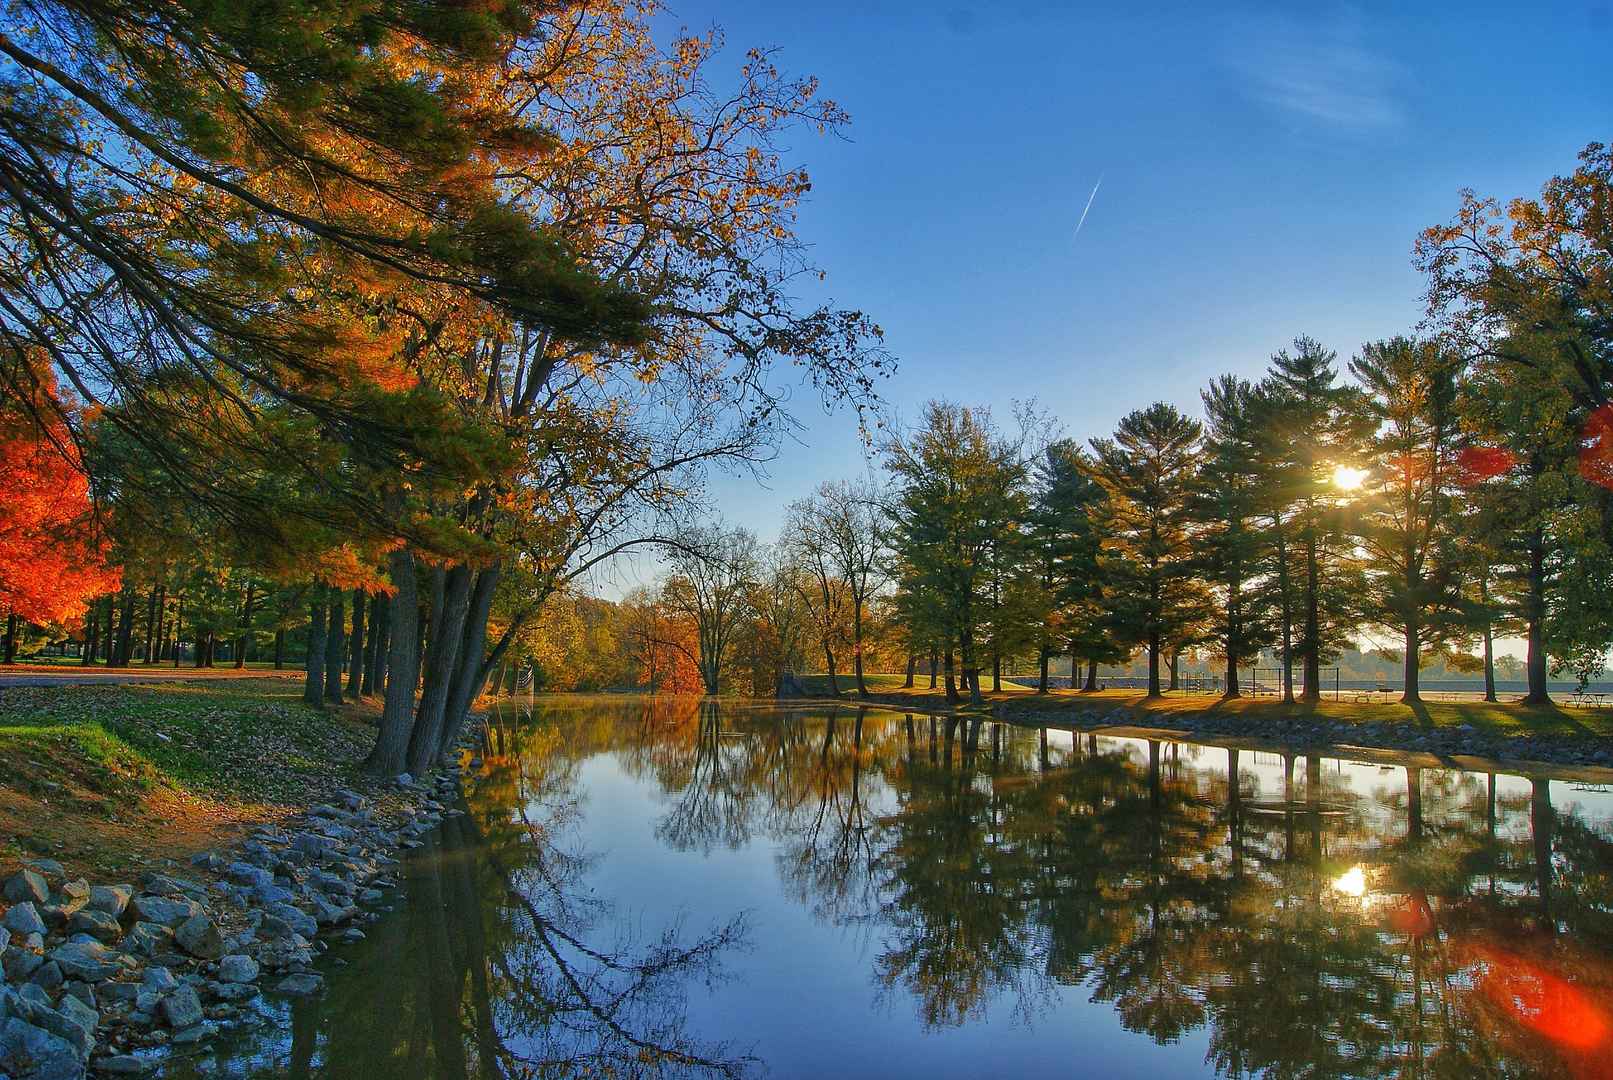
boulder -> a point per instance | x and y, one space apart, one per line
297 920
77 889
123 1065
238 968
26 886
24 918
194 1034
87 961
302 985
81 1015
163 910
111 899
159 980
243 873
235 991
101 925
198 936
53 870
163 885
81 990
49 975
182 1008
147 937
32 1053
19 964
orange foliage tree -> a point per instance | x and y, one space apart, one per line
50 565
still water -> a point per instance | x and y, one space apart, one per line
655 887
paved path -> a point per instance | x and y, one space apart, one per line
42 676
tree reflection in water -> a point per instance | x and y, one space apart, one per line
988 867
1309 918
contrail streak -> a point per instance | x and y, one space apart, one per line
1088 208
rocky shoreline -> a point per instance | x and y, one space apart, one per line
109 979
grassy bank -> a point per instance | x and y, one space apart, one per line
110 777
1488 718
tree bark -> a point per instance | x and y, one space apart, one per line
996 672
447 634
1092 677
952 689
11 637
1535 616
1410 694
355 662
389 755
280 648
151 624
1286 598
334 639
313 691
1041 681
935 666
1153 663
1232 689
912 666
92 627
1489 636
245 627
381 636
472 668
1313 622
1176 670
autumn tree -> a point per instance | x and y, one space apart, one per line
713 573
1147 470
839 534
1231 545
1406 521
1066 531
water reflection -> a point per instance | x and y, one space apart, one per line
993 891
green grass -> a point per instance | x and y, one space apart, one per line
1503 719
246 740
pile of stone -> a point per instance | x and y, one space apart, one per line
107 978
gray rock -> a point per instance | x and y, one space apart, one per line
352 935
77 889
26 886
119 992
18 964
235 991
303 985
24 918
198 936
87 961
271 894
194 1034
163 885
299 921
111 899
33 1053
160 980
57 914
81 990
123 1065
182 1008
237 969
48 976
101 925
163 910
79 1013
246 874
146 937
53 870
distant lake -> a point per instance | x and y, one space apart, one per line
676 887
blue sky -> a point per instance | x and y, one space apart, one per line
1265 171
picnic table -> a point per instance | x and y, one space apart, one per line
1587 699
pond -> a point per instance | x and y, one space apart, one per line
675 887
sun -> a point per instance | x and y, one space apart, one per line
1346 478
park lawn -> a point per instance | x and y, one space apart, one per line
1495 718
104 777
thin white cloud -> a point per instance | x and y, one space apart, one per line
1088 208
1319 72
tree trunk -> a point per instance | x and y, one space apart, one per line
125 651
151 624
179 625
1041 681
447 634
472 669
245 627
952 689
857 648
1232 690
1535 616
390 752
280 648
334 639
162 625
1286 598
935 667
1092 677
355 662
313 691
1410 667
92 627
912 667
996 672
971 671
834 683
1176 670
1313 622
1153 663
11 637
381 635
1489 636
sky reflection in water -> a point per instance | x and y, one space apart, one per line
669 887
